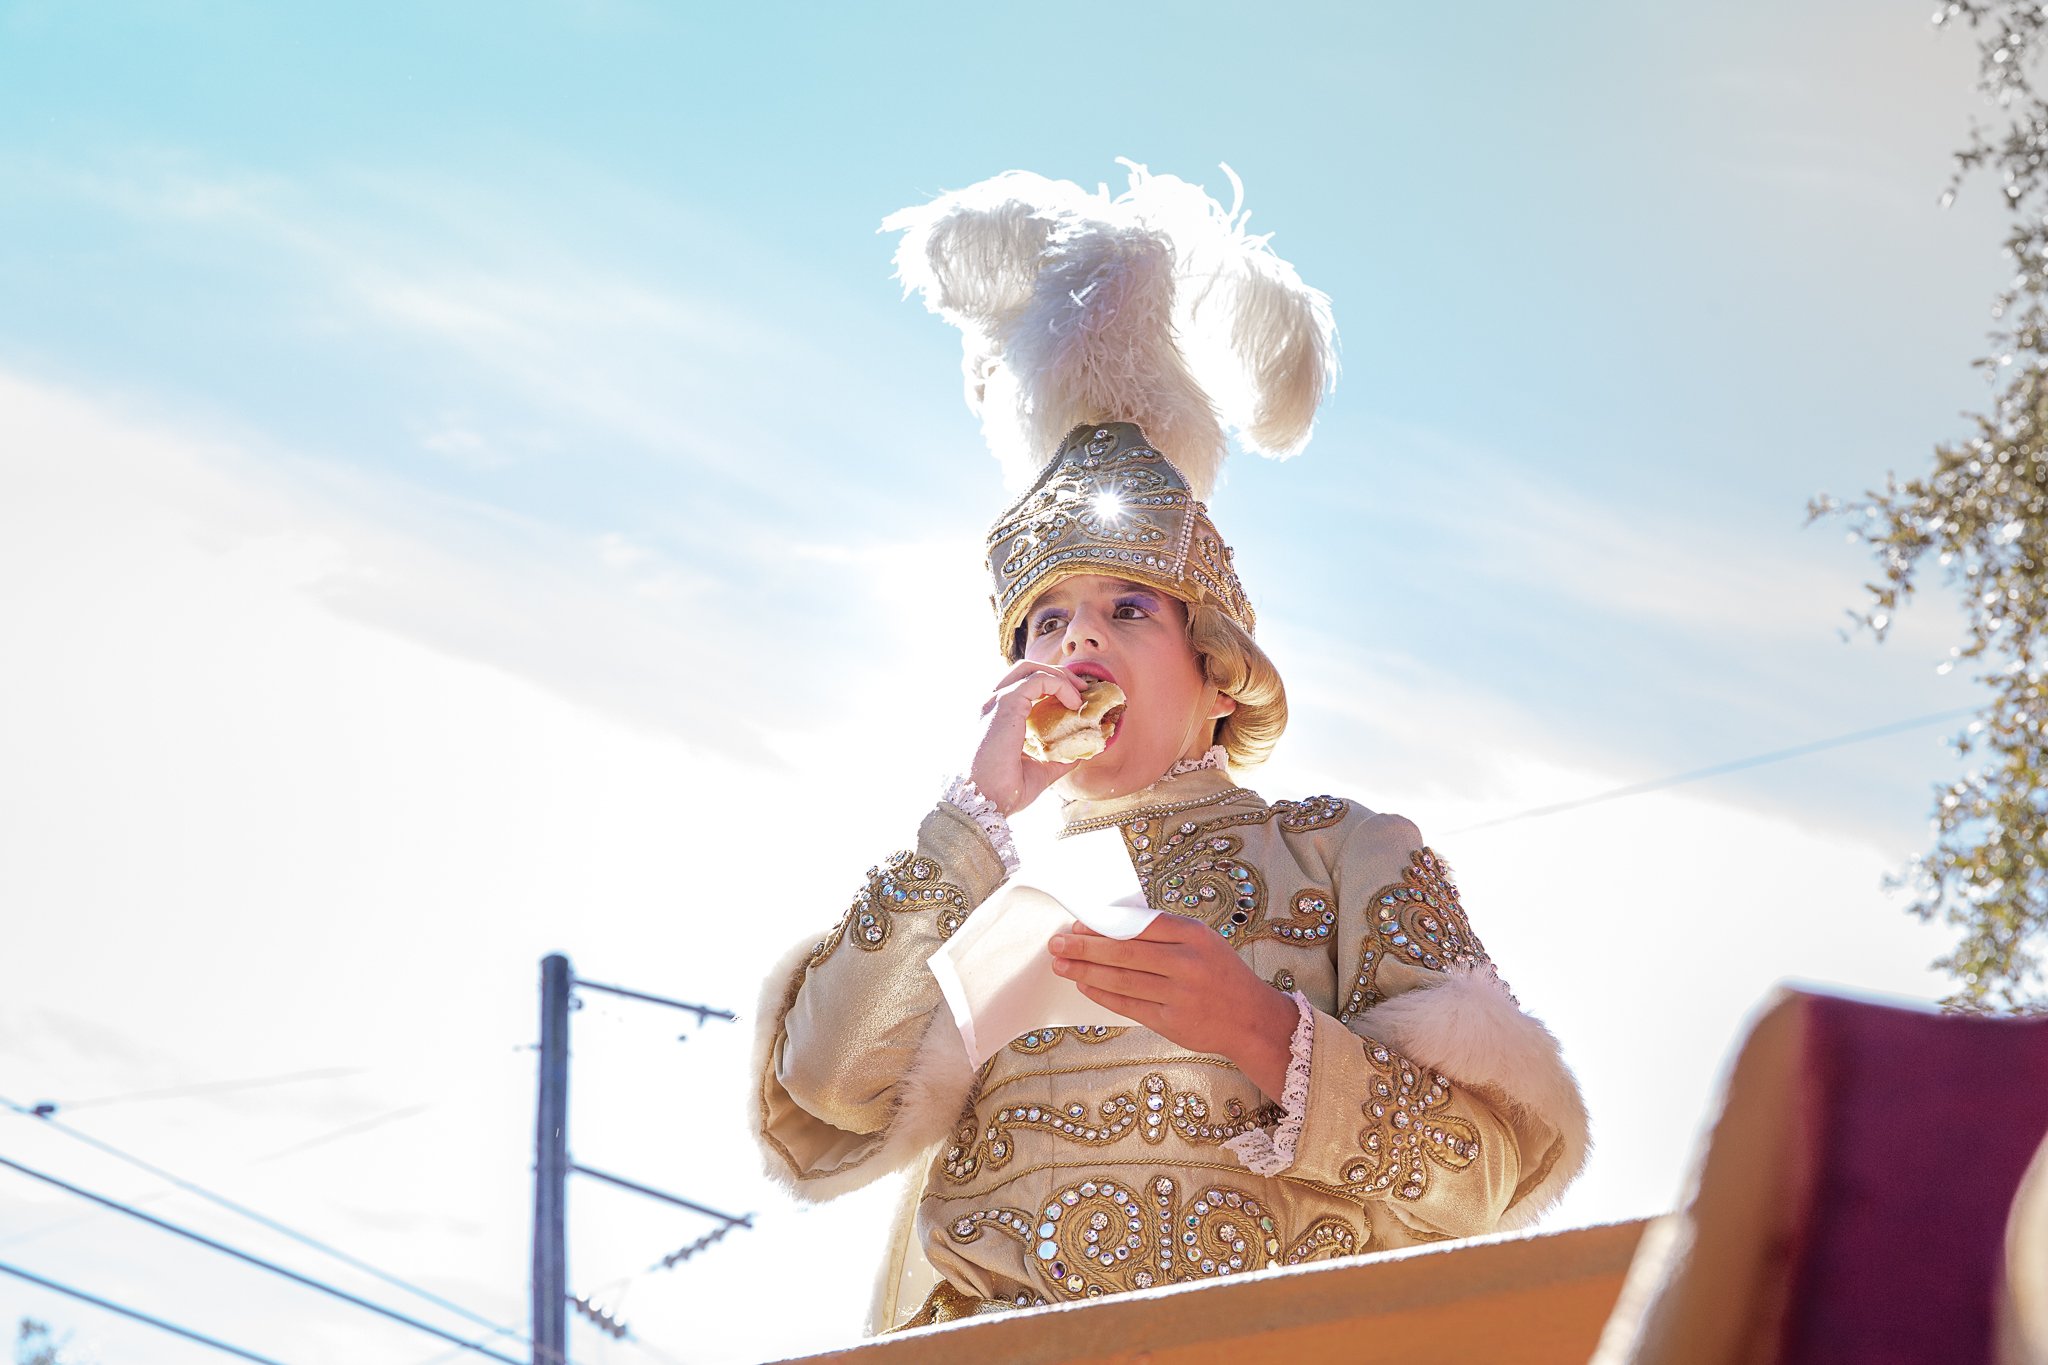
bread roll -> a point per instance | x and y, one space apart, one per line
1054 734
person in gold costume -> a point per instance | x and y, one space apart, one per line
1320 1060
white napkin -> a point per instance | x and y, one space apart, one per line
996 972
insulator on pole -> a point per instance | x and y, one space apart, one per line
675 1258
604 1321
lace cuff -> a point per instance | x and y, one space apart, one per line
965 797
1271 1153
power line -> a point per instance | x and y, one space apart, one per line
226 1250
252 1215
329 1073
1718 769
137 1315
304 1239
345 1132
553 1167
615 1291
745 1220
608 1321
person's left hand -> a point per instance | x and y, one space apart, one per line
1184 981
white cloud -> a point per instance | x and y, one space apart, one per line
456 440
1671 566
556 331
256 833
264 822
1837 132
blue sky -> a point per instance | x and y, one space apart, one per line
596 265
468 466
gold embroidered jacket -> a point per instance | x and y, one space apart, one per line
1082 1161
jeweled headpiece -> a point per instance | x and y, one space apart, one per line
1108 344
1109 503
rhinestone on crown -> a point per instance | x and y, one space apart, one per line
1109 503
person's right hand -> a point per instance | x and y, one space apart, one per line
1001 769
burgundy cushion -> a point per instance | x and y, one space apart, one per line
1916 1130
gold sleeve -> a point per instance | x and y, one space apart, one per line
855 1036
1430 1092
1381 1126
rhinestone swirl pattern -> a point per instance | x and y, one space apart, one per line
906 882
1103 1236
1417 921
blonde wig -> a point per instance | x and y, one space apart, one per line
1236 666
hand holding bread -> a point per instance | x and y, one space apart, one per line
1007 769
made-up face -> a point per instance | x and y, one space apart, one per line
1136 637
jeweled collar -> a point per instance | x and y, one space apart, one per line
1172 793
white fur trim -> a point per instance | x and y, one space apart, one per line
1471 1030
928 1100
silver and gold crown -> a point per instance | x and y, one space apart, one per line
1108 503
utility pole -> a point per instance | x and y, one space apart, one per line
551 1170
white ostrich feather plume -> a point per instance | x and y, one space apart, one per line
1154 307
